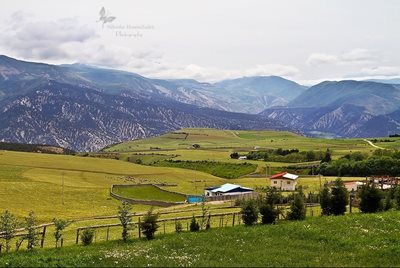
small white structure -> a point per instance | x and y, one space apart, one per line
284 181
227 189
353 185
242 157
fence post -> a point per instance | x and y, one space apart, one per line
233 220
77 236
108 233
62 242
187 226
164 227
139 227
43 237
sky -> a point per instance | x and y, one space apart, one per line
210 40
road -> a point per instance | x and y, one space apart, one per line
373 145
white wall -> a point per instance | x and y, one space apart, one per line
284 184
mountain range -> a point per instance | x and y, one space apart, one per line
86 108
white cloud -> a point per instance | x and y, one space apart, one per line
380 71
354 56
320 58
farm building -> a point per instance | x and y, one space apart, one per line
284 181
353 185
242 157
227 189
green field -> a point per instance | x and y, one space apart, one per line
33 181
219 169
149 192
351 240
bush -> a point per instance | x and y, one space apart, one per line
249 212
178 227
234 155
339 198
149 225
297 208
370 199
87 237
268 210
269 214
194 225
325 201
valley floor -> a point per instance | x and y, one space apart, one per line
351 240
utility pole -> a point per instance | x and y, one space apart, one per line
62 194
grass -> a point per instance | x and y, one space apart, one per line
31 181
219 169
351 240
149 192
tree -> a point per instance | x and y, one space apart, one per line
268 210
8 224
234 155
339 198
149 224
87 236
125 217
297 208
30 223
327 157
178 227
249 212
59 226
370 199
325 201
205 216
194 225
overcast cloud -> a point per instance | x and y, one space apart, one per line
305 40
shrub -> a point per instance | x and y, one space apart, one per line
30 222
268 210
325 201
339 198
149 225
8 224
370 199
297 208
87 237
124 216
249 212
178 227
234 155
269 214
59 226
194 225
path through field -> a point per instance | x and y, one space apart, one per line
373 145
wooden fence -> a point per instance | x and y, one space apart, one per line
224 220
246 196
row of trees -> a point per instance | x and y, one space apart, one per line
270 210
9 225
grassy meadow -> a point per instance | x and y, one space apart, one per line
350 240
32 181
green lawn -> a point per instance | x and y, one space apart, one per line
351 240
219 169
149 192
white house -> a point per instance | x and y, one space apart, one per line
227 189
242 157
284 181
353 185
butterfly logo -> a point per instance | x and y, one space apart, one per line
104 17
